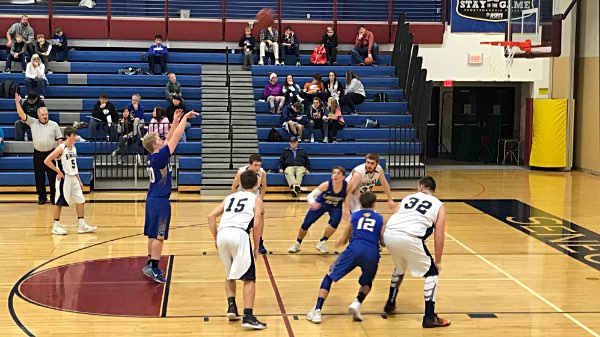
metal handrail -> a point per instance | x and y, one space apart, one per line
229 107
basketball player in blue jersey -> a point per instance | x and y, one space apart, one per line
365 232
158 207
327 198
241 213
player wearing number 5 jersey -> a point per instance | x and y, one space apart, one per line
241 213
364 232
158 207
68 184
416 218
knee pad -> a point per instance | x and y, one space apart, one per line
326 283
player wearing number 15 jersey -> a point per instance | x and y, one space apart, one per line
158 207
416 218
241 213
365 230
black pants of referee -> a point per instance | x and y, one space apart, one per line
41 170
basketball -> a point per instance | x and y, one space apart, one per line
368 61
264 18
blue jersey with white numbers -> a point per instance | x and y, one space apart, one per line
159 172
330 198
366 227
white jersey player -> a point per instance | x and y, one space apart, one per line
68 184
362 179
254 165
416 218
241 214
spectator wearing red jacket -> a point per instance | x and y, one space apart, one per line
364 46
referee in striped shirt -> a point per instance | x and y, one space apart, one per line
46 136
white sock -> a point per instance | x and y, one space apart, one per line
56 223
81 222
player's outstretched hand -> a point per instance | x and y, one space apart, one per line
191 114
17 98
391 203
439 267
255 253
177 114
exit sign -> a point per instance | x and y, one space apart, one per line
475 58
448 83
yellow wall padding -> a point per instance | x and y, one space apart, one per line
549 146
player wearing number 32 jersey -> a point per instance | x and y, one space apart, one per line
241 213
416 218
158 207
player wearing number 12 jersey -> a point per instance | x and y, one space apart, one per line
366 228
416 218
158 207
241 213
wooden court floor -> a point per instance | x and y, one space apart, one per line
521 249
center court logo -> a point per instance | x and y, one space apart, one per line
491 10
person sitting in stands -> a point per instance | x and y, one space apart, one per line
35 76
330 43
177 104
247 43
355 93
158 52
17 52
125 131
43 49
333 88
136 109
334 119
315 117
289 45
60 48
159 123
272 93
313 89
268 41
173 87
104 117
364 46
30 107
291 119
291 91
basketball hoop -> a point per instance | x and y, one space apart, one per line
500 63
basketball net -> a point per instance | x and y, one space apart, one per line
501 55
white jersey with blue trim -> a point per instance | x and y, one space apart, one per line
416 216
368 180
238 211
259 182
67 162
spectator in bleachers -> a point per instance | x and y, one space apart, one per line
136 110
159 123
175 105
26 32
35 77
17 52
158 52
172 87
333 88
104 117
291 91
1 142
125 131
313 89
60 47
330 43
30 106
274 92
334 119
295 163
364 46
291 119
43 49
315 116
355 93
247 43
289 45
46 135
268 42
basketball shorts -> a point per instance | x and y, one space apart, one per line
363 255
235 251
68 191
158 218
335 216
409 251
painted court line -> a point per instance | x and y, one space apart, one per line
533 292
284 315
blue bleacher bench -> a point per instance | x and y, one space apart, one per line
112 80
322 163
265 119
192 178
26 163
120 92
311 179
368 82
324 71
353 148
392 94
8 118
190 163
191 148
193 134
28 178
88 103
389 107
350 133
113 67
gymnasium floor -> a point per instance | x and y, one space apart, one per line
512 267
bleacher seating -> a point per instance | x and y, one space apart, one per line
354 141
